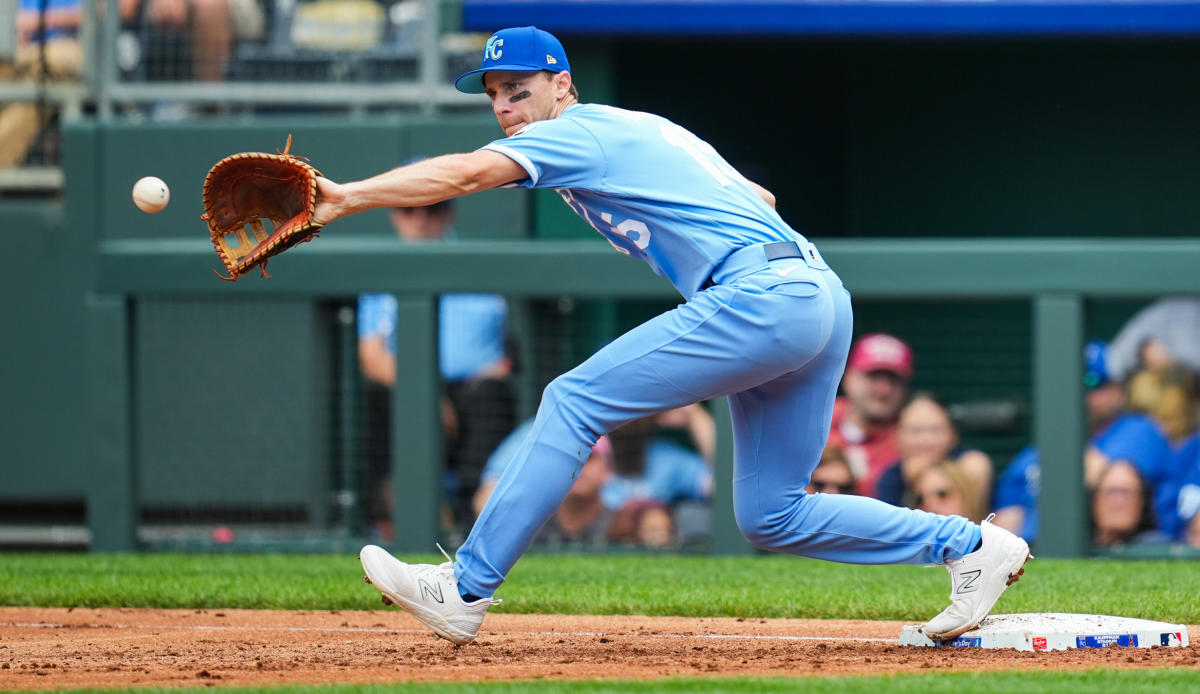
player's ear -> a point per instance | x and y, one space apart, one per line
562 84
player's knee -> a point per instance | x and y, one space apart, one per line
556 393
563 396
755 537
769 531
757 530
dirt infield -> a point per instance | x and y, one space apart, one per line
56 648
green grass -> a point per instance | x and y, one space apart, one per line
755 586
1084 681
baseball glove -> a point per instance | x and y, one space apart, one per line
244 189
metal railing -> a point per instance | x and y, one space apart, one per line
408 72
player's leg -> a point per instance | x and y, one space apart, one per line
780 428
726 339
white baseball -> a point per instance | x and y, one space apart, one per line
150 194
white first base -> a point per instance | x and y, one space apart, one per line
1052 631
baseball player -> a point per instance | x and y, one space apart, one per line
765 322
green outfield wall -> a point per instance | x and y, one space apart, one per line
120 339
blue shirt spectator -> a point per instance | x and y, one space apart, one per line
470 330
62 18
1019 487
1183 500
1135 438
673 473
1138 439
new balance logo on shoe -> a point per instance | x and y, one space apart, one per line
430 592
968 584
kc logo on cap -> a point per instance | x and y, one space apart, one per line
492 50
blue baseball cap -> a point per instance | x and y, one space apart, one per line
1095 362
520 49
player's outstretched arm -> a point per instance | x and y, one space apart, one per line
416 185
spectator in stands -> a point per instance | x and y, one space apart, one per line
944 488
478 405
864 420
649 467
48 47
1186 521
926 436
1158 352
1149 442
1161 414
1017 488
832 474
645 522
203 31
1121 508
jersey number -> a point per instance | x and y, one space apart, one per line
702 152
635 230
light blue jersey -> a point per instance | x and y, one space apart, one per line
654 190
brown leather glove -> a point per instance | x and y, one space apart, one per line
244 189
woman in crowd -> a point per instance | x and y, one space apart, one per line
926 436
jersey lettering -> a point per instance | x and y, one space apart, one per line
635 230
702 152
579 209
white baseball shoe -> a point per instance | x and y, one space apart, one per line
428 592
978 580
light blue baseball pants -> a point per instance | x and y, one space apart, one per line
774 336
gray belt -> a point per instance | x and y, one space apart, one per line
745 260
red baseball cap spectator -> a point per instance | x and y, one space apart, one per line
882 352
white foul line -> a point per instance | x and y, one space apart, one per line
387 630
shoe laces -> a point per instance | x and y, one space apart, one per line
446 570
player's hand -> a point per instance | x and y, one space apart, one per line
331 199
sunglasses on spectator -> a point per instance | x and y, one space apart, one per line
832 487
939 494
